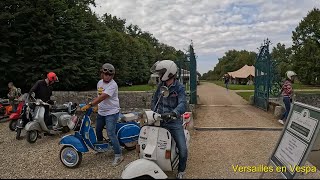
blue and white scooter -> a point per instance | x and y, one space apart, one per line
84 137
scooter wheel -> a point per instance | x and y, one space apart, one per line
13 125
70 157
32 136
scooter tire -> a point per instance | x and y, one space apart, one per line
78 154
13 125
29 136
129 148
18 133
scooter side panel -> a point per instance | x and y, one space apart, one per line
75 142
159 141
127 132
164 143
33 125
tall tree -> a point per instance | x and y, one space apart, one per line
306 48
283 58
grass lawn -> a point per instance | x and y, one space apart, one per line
251 87
145 87
137 88
246 95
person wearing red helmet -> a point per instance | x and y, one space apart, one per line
43 90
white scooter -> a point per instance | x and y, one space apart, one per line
156 147
60 120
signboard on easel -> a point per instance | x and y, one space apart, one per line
296 140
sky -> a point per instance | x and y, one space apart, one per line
214 26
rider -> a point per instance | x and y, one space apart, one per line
287 93
13 95
43 90
172 106
108 109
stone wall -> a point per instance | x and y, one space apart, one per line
310 99
128 99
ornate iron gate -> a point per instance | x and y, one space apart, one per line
262 77
187 74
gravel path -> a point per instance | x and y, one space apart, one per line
19 159
212 153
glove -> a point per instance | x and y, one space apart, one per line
86 107
95 109
168 116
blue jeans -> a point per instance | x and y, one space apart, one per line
177 132
227 85
287 103
110 121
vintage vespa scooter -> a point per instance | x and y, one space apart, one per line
157 149
84 137
59 121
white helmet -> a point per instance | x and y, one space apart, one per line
290 74
166 69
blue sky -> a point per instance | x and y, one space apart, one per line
215 26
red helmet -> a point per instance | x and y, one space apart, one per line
52 77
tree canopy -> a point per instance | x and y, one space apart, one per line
66 37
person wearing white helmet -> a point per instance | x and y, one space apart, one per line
287 93
172 106
108 109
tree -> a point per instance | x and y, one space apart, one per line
231 61
306 48
283 57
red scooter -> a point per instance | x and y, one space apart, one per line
5 110
14 117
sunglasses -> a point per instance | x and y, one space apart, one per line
107 74
109 71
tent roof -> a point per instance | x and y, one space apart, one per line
243 72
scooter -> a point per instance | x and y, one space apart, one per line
16 116
27 114
84 137
5 110
156 147
59 121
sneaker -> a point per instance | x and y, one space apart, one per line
117 161
281 121
180 175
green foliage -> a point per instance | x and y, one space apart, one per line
66 37
231 61
283 57
306 48
137 88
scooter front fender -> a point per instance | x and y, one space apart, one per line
14 116
33 126
75 142
143 167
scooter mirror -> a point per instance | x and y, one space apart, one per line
164 91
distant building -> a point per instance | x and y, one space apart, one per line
244 75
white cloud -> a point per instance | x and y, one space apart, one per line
214 26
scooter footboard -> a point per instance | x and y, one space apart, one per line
143 167
75 142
